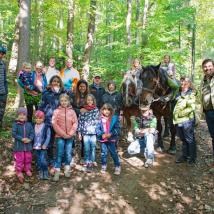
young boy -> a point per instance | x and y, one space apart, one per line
145 131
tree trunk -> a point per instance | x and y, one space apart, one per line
193 50
89 43
70 29
137 22
24 43
145 12
14 53
128 27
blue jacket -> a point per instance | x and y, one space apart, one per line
114 129
44 81
19 131
49 102
5 84
45 136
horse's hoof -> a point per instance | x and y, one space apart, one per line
160 150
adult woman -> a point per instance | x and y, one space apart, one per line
113 97
79 99
40 82
82 91
50 101
184 118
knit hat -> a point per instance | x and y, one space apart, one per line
22 110
39 114
3 49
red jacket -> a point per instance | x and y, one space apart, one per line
64 121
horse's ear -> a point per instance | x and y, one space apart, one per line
158 66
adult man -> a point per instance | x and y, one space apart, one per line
51 70
97 90
69 76
207 95
3 84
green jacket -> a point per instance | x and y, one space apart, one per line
185 107
207 93
174 85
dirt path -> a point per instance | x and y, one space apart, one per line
165 188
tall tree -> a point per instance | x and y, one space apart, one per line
24 42
137 22
128 27
14 53
70 29
145 12
89 43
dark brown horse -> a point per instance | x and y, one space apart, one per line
155 91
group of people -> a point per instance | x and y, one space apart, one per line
68 109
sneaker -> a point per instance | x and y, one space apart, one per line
103 169
94 164
52 170
28 173
82 162
20 177
171 151
67 172
117 170
45 175
148 163
56 175
40 176
181 159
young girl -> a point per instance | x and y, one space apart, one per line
23 135
108 130
65 123
41 143
26 79
88 120
146 133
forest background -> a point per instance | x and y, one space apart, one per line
104 36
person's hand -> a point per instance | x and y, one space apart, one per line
44 147
108 135
104 136
79 137
83 110
24 140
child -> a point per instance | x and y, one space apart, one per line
146 133
108 130
23 135
65 123
26 79
87 130
41 142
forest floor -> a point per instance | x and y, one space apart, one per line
165 188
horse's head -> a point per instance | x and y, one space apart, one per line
128 90
153 80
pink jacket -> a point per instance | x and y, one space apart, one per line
64 121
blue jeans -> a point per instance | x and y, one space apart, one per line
109 146
89 148
147 145
41 160
210 123
187 136
63 149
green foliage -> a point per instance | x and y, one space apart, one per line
168 31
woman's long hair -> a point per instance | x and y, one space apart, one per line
61 85
77 95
